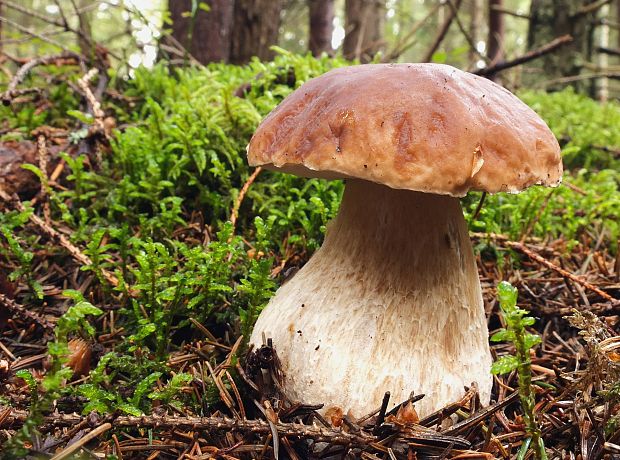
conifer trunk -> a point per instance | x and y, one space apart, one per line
255 29
550 19
321 26
495 43
475 26
364 23
206 35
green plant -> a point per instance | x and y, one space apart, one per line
10 223
516 322
602 372
584 127
15 448
587 208
73 321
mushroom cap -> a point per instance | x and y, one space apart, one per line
424 127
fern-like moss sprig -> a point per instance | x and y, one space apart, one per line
514 332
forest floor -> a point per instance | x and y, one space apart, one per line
138 248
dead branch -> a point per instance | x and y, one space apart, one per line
35 14
481 415
572 78
464 32
34 34
95 105
590 8
503 10
70 449
409 40
540 259
84 38
442 32
43 155
11 91
216 424
25 314
529 56
614 151
599 309
612 51
235 211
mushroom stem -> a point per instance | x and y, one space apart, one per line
390 302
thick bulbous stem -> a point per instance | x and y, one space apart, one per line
390 302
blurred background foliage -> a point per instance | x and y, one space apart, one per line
468 34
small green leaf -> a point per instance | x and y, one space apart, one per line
531 340
528 321
507 295
503 336
83 117
28 378
504 365
129 409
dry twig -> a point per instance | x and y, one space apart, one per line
25 314
235 211
529 56
221 424
95 105
43 155
12 91
35 34
540 259
67 451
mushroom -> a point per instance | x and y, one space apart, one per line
392 300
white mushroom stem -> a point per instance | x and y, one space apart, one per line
390 302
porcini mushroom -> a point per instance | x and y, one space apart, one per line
392 300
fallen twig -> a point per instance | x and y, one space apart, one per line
26 314
23 71
612 51
590 8
529 56
78 445
468 38
35 34
43 154
540 259
221 424
481 415
614 151
95 105
235 211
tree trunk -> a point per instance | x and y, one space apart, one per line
475 27
603 58
495 43
321 26
618 22
85 37
206 35
550 19
255 29
364 24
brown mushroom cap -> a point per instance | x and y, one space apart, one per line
424 127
